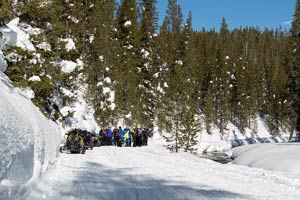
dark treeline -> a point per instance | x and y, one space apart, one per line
171 74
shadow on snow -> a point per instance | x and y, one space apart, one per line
95 181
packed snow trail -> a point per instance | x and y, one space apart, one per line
149 173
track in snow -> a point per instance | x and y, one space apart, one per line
150 173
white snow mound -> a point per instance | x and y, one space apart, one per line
29 141
282 157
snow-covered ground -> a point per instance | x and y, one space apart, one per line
29 141
232 135
154 173
282 157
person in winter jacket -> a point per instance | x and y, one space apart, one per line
116 137
139 139
133 132
145 136
127 137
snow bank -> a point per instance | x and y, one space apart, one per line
3 64
232 137
282 157
29 142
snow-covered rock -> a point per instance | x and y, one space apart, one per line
29 141
14 36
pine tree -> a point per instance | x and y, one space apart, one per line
100 61
173 70
148 64
293 63
191 81
126 70
6 10
189 129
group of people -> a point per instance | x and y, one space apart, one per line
127 137
79 140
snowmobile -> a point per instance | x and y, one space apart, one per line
87 139
74 143
96 140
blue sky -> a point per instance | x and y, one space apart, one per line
238 13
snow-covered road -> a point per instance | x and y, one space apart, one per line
150 173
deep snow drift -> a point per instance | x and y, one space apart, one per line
282 157
29 141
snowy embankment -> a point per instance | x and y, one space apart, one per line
153 173
282 157
29 141
232 137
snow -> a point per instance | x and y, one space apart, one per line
223 142
29 141
44 46
14 36
282 157
179 62
127 23
79 63
106 90
83 114
13 57
67 66
99 83
28 93
34 79
107 80
145 53
66 110
29 29
67 92
3 64
154 173
70 44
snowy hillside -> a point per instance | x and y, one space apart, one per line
29 141
233 137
